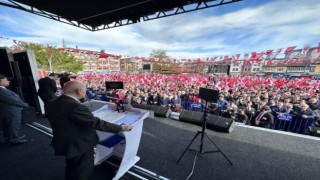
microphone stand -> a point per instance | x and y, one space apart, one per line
200 148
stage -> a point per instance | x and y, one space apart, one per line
255 153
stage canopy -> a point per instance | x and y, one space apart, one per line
96 15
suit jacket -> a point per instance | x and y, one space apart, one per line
265 121
47 89
10 103
250 113
74 127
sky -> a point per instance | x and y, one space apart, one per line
245 26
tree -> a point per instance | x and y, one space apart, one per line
159 53
52 59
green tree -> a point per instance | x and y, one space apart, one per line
52 59
159 53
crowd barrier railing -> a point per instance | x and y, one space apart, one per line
192 106
289 122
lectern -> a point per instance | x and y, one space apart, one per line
124 144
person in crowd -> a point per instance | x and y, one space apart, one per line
313 104
74 131
256 103
305 117
136 99
241 116
272 103
264 118
10 113
222 104
231 110
64 77
159 99
278 109
176 103
48 87
289 109
150 99
249 111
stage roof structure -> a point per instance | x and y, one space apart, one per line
95 15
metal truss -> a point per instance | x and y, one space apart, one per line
201 4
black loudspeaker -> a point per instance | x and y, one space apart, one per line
28 115
221 124
209 95
160 111
192 117
26 73
141 106
17 74
314 131
5 59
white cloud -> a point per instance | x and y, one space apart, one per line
253 28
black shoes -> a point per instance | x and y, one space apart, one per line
19 141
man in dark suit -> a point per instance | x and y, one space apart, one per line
48 88
264 118
74 131
10 113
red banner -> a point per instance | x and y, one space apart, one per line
318 47
269 51
289 49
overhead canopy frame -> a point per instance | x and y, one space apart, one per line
95 15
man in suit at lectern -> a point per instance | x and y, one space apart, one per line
74 131
10 113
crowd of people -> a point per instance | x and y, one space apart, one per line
242 98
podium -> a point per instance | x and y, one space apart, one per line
123 145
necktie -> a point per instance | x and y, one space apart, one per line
259 116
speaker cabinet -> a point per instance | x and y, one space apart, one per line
221 124
5 65
160 111
141 106
192 117
27 74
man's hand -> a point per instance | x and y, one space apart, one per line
126 128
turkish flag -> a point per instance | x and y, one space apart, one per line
318 47
269 51
289 49
105 55
269 62
253 55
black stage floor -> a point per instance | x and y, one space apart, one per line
256 154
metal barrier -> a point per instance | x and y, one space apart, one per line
192 106
296 124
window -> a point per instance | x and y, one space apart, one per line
258 69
